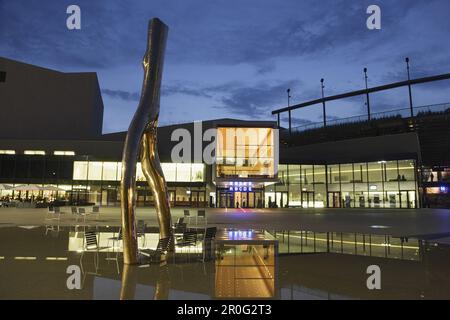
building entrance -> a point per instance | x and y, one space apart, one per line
334 199
407 199
308 199
240 199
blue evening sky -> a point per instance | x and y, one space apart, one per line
237 58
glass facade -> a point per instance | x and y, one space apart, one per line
111 171
382 184
245 153
60 178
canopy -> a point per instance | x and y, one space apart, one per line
51 188
5 187
27 188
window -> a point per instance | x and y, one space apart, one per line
2 76
375 172
64 153
80 170
34 152
245 152
170 171
112 171
109 171
197 172
183 172
391 171
95 170
319 174
406 170
7 152
333 174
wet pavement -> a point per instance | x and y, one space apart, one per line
432 223
281 264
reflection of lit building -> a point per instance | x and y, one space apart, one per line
60 155
245 264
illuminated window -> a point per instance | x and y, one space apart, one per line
34 152
197 174
95 170
80 170
64 153
245 152
170 171
183 172
7 152
112 171
109 171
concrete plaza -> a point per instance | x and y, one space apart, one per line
426 223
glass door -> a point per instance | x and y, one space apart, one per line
226 199
282 199
408 199
392 199
308 199
334 200
251 200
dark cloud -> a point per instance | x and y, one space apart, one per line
113 32
120 94
255 101
173 89
279 41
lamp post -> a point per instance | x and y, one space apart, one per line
409 88
367 95
323 104
289 111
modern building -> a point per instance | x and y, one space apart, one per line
55 151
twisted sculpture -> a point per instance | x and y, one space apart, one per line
141 142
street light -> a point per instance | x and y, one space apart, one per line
288 95
289 111
323 103
409 88
367 95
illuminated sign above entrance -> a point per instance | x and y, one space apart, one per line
240 186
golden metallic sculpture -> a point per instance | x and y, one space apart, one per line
141 142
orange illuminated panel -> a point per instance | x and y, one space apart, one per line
245 152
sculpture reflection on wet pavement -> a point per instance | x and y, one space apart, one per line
141 143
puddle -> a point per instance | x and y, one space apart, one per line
262 264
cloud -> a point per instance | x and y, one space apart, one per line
257 100
168 90
120 94
279 41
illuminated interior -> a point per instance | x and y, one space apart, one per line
245 271
245 153
111 171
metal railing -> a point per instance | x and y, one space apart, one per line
402 113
